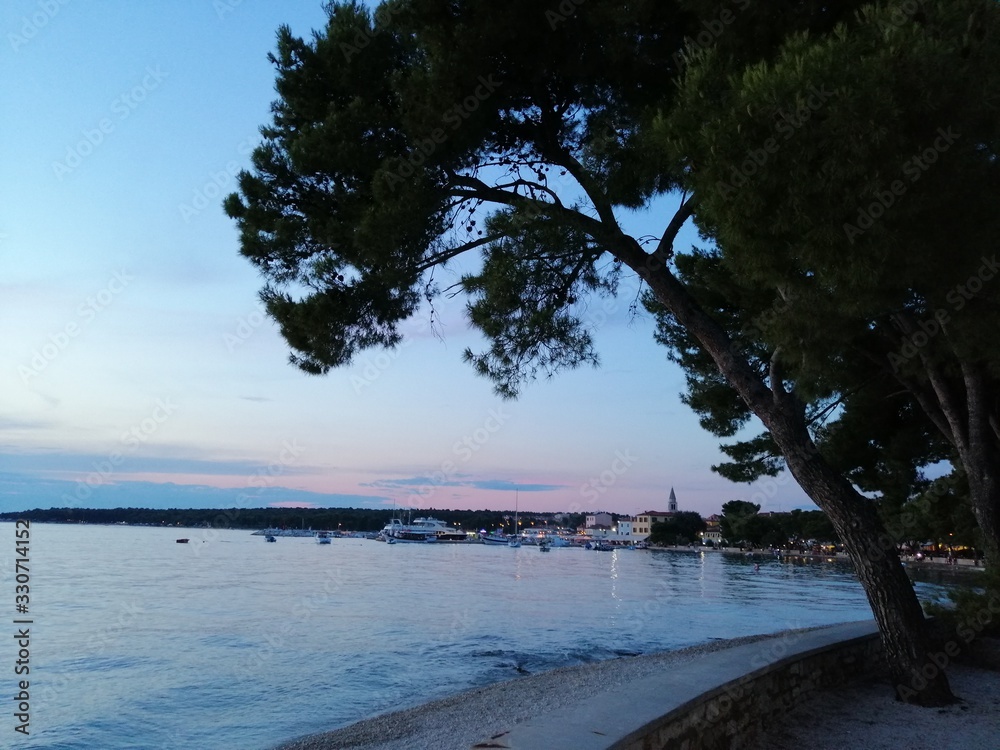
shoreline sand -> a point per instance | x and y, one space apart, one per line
863 714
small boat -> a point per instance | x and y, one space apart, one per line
323 537
544 546
553 540
182 541
599 546
270 538
494 537
515 541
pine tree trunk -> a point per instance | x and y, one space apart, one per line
982 469
893 601
917 678
980 456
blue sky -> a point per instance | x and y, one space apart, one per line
138 369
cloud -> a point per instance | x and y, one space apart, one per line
420 485
13 423
61 464
18 492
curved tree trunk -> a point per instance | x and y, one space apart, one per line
893 601
917 678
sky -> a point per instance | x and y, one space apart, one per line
138 368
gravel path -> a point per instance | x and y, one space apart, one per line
863 716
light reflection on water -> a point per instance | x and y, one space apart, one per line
231 642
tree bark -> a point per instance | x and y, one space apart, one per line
984 493
893 601
917 678
980 456
965 411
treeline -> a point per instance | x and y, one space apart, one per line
742 522
346 519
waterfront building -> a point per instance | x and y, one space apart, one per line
624 528
601 518
644 521
713 529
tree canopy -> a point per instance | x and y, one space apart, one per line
683 528
844 184
515 136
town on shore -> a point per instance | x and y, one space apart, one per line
740 527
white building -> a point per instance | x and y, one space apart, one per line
598 519
624 528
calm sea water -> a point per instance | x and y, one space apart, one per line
226 642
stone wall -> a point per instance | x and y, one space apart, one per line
731 716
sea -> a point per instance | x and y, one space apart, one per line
136 641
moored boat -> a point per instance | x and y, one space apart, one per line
441 530
553 540
402 532
493 537
599 546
